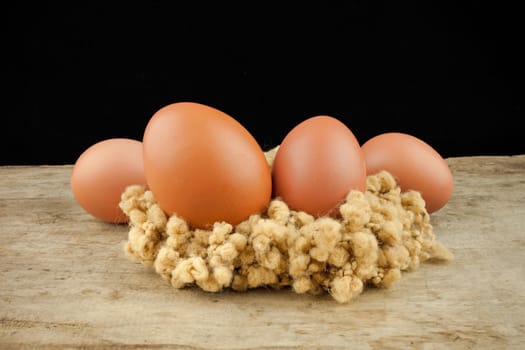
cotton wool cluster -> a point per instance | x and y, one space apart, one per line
380 233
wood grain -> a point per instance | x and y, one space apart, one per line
66 284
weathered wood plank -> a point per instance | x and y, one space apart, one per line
65 282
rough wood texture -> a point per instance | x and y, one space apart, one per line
65 282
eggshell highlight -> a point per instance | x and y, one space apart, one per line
204 166
414 164
101 174
317 164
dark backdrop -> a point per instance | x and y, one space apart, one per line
75 74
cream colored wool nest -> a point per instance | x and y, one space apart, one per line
381 233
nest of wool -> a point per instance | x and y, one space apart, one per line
380 233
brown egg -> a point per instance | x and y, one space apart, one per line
318 162
102 172
204 166
414 164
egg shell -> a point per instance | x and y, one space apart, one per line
317 164
414 164
204 166
102 172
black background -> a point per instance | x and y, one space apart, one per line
77 73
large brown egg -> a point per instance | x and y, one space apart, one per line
318 162
204 166
414 164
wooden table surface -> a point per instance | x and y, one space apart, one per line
65 282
